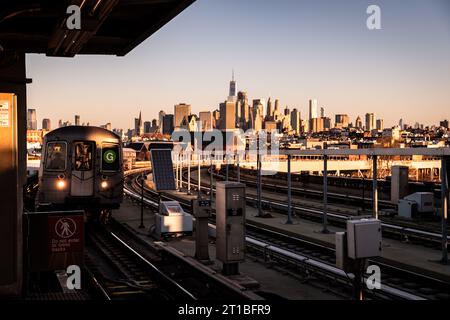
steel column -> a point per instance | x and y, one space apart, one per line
289 219
444 209
325 194
375 187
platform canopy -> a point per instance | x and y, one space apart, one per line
110 27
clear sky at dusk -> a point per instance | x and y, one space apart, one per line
293 50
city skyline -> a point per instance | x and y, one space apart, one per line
304 50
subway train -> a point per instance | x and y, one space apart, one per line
81 169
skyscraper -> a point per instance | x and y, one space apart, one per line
161 115
147 126
313 112
322 112
77 120
341 121
181 112
138 126
295 121
380 124
370 122
358 123
269 111
227 116
206 120
46 124
167 127
31 119
232 92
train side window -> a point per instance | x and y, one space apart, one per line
110 157
83 156
56 156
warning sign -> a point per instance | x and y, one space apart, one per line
4 113
65 234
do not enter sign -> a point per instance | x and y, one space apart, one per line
65 234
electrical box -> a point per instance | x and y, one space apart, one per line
424 200
364 238
341 250
230 221
172 219
399 183
406 208
201 208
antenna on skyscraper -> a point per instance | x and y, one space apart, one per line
232 74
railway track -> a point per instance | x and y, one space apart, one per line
395 230
125 266
121 273
307 256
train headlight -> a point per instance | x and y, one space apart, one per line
104 184
60 184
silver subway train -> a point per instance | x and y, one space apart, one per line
81 168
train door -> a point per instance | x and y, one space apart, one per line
83 169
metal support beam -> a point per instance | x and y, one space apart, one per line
325 195
258 166
181 172
211 177
238 168
199 176
289 183
375 187
177 158
226 166
189 158
444 209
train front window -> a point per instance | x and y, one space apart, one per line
56 156
110 157
83 156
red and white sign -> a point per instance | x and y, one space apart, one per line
65 234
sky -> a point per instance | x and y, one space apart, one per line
293 50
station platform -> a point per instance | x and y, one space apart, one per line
272 283
417 258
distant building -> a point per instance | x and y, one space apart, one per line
227 116
161 115
181 112
168 127
147 126
270 126
444 124
232 91
31 119
358 123
322 112
296 121
380 124
370 122
326 123
341 121
206 120
77 120
269 110
313 112
46 124
138 125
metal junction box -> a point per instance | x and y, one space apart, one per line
424 200
201 208
172 219
364 238
230 221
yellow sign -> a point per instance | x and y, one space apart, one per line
4 113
